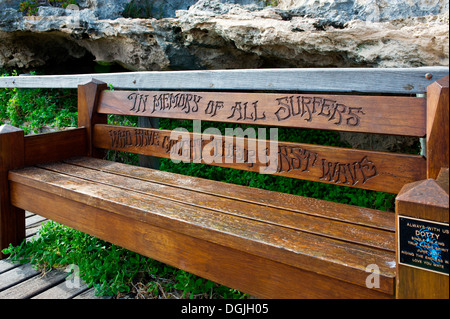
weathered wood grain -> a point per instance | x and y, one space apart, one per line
88 95
148 161
12 219
443 179
32 231
364 235
15 275
372 170
24 282
299 204
90 294
55 146
62 291
33 223
279 244
264 243
427 200
240 268
34 285
377 80
369 114
6 265
437 127
33 220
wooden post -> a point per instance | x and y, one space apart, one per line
422 211
12 219
88 96
437 127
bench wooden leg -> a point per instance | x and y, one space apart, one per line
12 219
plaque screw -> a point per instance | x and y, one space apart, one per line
428 76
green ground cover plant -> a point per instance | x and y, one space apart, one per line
31 7
112 270
116 271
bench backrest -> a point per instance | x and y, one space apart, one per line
373 170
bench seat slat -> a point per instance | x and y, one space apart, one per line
258 276
339 259
318 225
304 205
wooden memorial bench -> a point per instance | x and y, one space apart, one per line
265 243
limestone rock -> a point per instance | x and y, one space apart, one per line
221 34
308 42
367 10
9 4
104 9
213 34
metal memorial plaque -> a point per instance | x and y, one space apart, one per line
424 244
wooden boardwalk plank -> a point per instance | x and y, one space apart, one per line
6 265
62 291
34 285
34 220
16 275
23 281
33 224
32 231
90 294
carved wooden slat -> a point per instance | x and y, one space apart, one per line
350 167
370 114
12 219
148 161
437 127
55 146
335 258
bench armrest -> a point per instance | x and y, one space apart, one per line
55 146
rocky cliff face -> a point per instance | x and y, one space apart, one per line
213 34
